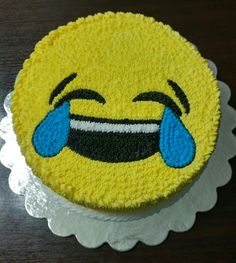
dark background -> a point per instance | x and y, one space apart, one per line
208 24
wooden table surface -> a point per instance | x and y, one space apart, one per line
208 24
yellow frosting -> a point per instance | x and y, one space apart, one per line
119 55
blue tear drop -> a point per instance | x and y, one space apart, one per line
177 146
51 135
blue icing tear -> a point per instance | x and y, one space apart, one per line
177 146
51 135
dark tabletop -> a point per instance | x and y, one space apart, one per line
208 24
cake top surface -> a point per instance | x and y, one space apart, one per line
115 111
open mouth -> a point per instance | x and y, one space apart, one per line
110 140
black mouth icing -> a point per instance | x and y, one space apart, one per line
111 140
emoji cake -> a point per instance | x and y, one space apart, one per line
116 111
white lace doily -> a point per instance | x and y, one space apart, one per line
123 230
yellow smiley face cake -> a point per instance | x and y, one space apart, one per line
115 111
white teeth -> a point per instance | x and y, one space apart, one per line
111 127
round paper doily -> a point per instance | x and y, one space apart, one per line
123 230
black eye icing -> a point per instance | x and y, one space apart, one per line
59 88
159 97
180 94
85 94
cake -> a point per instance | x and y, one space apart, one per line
116 111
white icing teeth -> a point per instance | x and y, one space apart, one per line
114 127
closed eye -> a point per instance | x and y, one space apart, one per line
60 87
161 98
85 94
